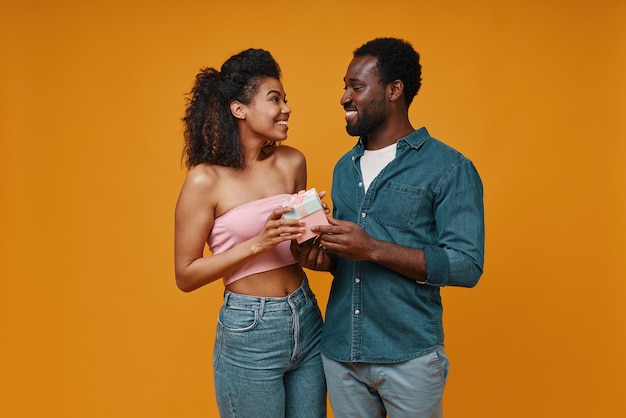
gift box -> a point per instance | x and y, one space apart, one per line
307 207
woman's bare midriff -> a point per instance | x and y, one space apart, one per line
276 283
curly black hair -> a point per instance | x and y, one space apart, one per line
210 130
397 60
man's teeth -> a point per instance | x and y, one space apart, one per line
282 122
350 113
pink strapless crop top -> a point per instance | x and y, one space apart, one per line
242 223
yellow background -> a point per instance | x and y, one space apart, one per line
534 92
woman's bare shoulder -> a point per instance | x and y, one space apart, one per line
202 176
292 163
200 185
290 154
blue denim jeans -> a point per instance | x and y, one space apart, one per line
408 389
267 357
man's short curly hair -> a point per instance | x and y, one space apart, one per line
397 60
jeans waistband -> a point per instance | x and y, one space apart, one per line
299 296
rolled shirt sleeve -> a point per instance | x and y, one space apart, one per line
458 258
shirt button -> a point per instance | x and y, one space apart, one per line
356 311
357 280
363 214
360 184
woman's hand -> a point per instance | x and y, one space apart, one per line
321 195
276 230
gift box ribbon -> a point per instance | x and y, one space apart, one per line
304 203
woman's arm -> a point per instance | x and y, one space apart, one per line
194 218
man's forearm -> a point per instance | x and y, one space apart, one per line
409 262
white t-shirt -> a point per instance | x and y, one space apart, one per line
373 161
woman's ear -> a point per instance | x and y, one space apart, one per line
238 109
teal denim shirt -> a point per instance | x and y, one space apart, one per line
429 197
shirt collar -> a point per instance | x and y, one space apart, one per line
413 140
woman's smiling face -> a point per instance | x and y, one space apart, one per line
267 114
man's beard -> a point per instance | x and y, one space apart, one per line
368 120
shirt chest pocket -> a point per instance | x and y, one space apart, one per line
398 205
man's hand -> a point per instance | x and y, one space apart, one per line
311 255
345 239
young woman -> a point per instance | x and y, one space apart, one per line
266 355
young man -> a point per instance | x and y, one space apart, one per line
408 219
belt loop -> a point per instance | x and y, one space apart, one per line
226 296
262 308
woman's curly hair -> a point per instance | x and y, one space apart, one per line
397 60
210 130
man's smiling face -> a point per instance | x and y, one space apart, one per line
364 97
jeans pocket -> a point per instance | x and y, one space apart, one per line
443 363
217 346
235 319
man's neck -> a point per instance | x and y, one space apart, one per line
378 140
